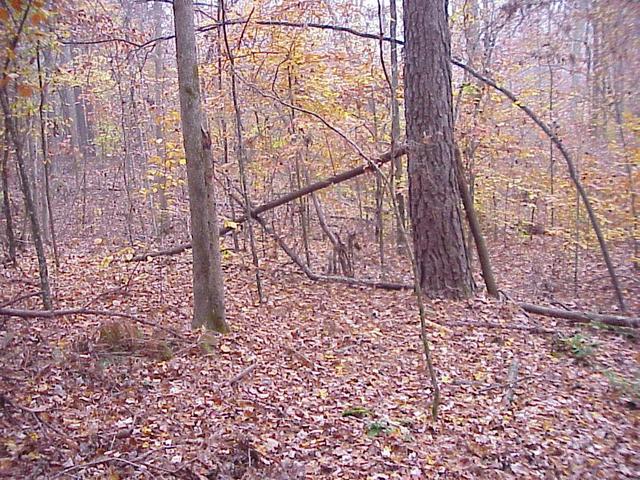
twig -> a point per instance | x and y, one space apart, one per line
236 378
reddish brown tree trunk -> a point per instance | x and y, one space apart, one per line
443 267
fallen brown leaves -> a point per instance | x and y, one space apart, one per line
276 397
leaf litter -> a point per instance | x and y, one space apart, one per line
321 381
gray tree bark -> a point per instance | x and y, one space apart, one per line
6 201
208 290
12 129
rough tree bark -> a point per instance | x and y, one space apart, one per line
443 267
208 290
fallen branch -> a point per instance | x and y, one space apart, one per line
582 317
314 187
501 326
21 297
575 316
14 312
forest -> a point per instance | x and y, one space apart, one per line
319 239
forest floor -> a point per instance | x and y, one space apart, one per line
321 381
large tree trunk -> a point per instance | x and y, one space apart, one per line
208 290
443 267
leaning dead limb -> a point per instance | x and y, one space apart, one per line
314 187
575 178
474 226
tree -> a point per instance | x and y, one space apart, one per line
443 267
11 126
208 290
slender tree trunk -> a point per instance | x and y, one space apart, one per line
631 190
242 158
70 122
6 201
302 209
158 14
434 197
395 126
46 162
223 128
81 121
10 125
208 290
302 204
126 157
379 198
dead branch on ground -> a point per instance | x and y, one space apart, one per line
14 312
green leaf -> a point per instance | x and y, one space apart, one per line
358 412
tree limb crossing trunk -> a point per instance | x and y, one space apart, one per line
314 187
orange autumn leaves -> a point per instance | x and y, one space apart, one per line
33 14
